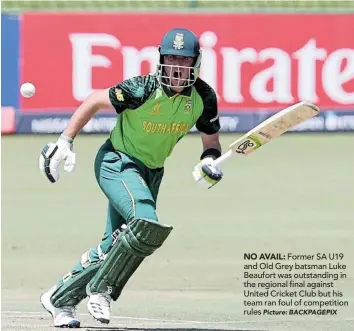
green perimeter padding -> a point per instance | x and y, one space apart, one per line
73 288
140 239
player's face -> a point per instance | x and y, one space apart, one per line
178 69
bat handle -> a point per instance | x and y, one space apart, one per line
222 158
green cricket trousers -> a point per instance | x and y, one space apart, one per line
131 189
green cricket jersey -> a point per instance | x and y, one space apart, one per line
151 119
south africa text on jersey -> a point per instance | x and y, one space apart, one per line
162 128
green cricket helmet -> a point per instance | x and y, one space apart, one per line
180 42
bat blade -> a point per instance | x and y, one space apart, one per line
274 127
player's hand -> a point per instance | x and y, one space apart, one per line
206 174
53 154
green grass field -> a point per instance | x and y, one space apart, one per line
187 5
293 195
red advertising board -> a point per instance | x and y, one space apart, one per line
253 61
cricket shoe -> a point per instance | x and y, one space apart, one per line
99 305
64 317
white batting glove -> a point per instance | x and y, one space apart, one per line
53 154
206 174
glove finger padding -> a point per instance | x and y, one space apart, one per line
46 164
51 157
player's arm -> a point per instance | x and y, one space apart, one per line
54 153
211 142
209 126
91 105
129 94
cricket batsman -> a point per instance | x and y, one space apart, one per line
153 113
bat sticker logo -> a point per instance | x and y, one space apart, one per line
246 144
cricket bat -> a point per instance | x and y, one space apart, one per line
269 129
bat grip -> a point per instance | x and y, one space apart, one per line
222 158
